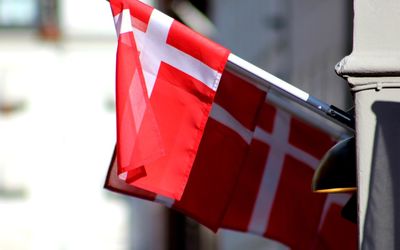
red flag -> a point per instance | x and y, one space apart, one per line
248 167
230 186
167 76
220 156
273 196
334 232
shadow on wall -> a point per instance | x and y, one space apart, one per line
382 223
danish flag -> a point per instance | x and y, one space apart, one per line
210 143
253 172
167 76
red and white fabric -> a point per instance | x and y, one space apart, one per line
234 161
222 151
253 174
167 76
273 197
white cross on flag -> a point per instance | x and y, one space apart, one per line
236 161
167 76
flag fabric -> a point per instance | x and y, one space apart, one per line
253 174
236 161
219 159
273 196
167 76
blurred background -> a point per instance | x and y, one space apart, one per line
57 117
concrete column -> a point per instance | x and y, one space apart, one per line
373 73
